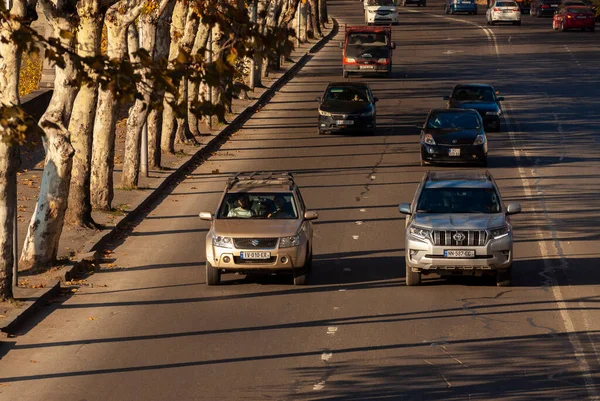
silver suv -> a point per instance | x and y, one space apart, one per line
458 224
260 225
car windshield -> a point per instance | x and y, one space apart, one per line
459 200
506 4
248 205
346 94
367 39
450 120
475 94
382 2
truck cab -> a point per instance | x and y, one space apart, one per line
367 50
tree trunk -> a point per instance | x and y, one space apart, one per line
161 52
103 150
81 126
290 14
323 15
167 140
10 57
310 28
314 17
194 87
41 244
303 10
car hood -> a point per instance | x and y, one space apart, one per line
345 107
459 221
480 106
256 228
447 137
367 52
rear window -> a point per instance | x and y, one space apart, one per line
506 4
578 10
382 2
367 39
473 94
450 120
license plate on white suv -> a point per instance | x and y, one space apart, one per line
255 255
459 253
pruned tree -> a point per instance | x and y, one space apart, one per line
323 15
314 21
118 18
41 243
194 87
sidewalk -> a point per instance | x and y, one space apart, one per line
81 248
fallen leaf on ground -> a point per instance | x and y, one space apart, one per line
73 289
2 316
216 171
33 361
92 318
193 188
111 265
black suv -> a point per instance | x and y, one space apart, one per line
419 3
544 8
347 107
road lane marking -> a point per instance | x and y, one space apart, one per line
359 223
326 356
319 386
558 296
355 237
331 330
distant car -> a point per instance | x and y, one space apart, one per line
503 11
381 12
460 6
347 107
544 8
458 224
420 3
574 17
480 97
260 225
453 136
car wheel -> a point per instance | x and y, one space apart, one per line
424 4
412 278
484 161
518 23
213 276
562 27
475 13
345 74
593 29
554 26
531 12
504 278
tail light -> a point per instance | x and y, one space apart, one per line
545 6
497 9
516 9
350 60
569 16
383 61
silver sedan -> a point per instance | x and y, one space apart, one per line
503 11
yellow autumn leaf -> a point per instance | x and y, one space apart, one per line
92 318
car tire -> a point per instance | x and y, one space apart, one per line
593 29
518 23
562 27
213 276
301 275
412 278
504 278
345 74
484 161
492 22
531 12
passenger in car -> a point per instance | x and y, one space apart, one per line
243 210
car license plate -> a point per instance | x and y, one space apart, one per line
255 255
581 17
344 122
553 5
507 11
454 152
459 253
366 67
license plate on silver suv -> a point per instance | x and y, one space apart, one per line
459 253
255 255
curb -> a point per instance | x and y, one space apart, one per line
87 259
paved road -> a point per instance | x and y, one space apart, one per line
150 329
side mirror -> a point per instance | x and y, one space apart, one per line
513 208
500 98
341 45
206 216
446 97
404 208
311 215
318 98
375 99
393 45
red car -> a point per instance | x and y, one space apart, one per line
574 17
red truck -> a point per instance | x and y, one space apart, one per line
367 49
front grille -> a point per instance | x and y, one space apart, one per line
459 238
255 243
239 261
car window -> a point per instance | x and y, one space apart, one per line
382 2
578 10
450 120
474 94
346 94
367 39
459 200
258 206
506 4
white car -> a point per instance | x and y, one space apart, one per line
381 12
503 11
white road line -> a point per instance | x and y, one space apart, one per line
331 330
355 237
326 356
319 386
556 291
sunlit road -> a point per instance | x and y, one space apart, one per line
157 332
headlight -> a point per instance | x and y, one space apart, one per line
287 242
419 232
368 113
493 113
428 139
480 140
324 113
500 232
223 242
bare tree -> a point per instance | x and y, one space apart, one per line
314 18
118 18
323 15
41 243
194 87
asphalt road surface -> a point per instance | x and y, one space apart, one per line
157 332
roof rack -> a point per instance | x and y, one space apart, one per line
284 177
459 175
